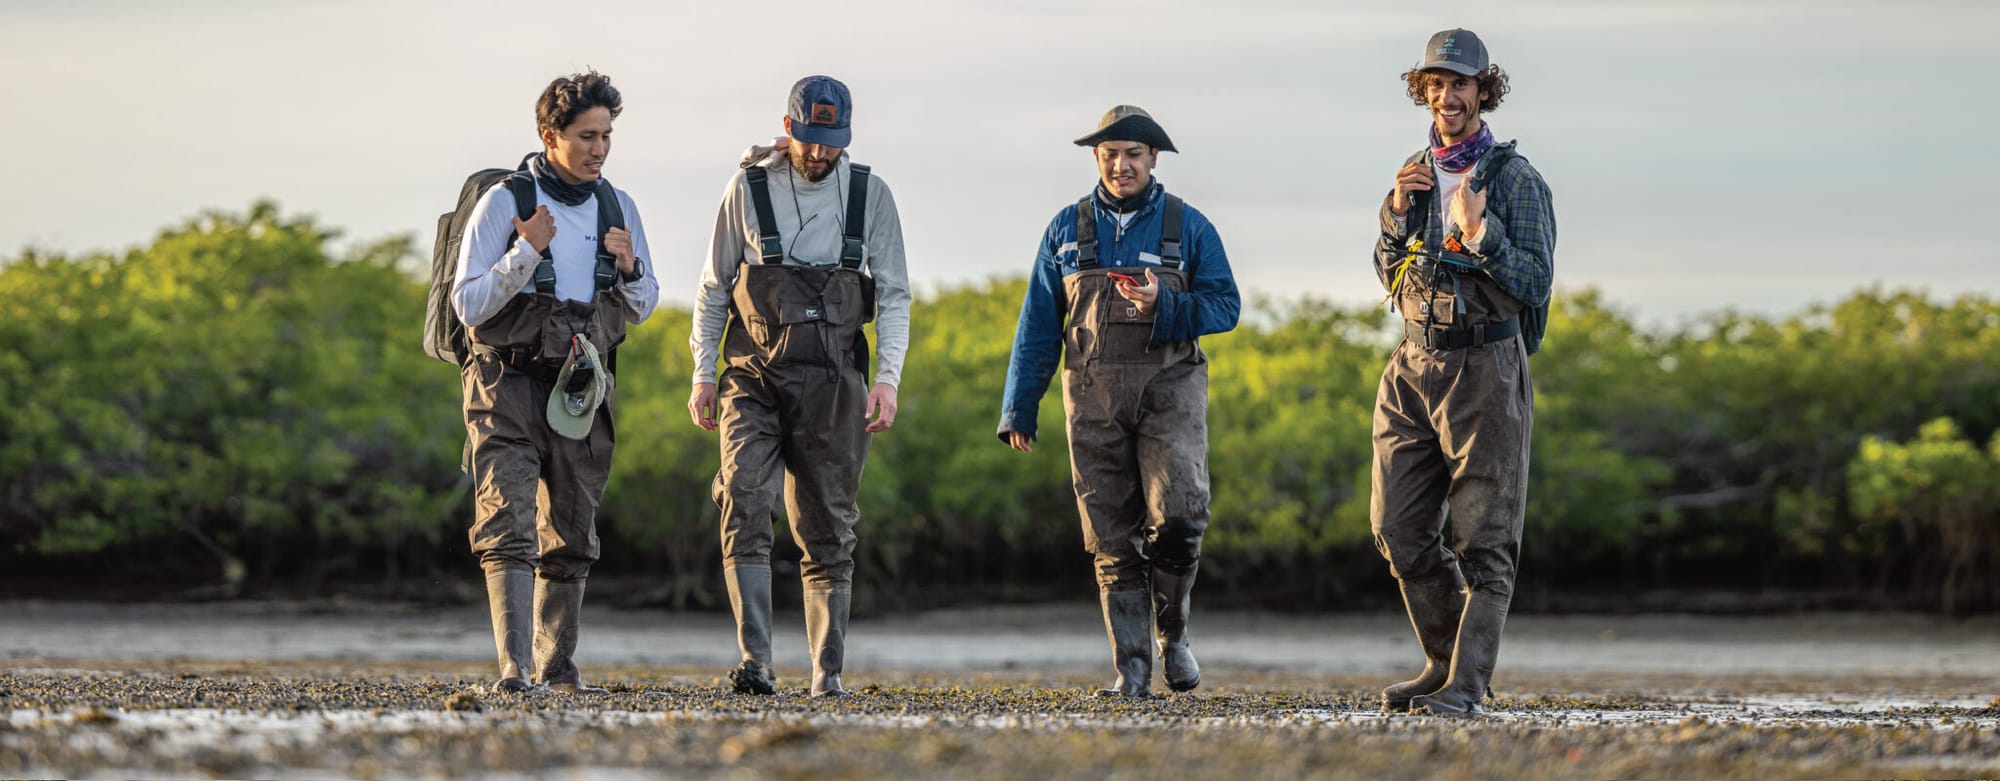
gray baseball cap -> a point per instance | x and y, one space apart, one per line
1458 51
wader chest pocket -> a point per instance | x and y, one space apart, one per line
793 314
1128 342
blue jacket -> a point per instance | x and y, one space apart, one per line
1209 306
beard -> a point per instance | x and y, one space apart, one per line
800 165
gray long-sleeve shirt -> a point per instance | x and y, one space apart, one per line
811 218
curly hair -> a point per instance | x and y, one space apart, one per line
574 94
1492 81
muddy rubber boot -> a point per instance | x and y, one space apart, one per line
826 635
1472 661
1434 604
1128 619
558 606
750 600
510 595
1171 601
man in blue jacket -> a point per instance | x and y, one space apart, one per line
1126 281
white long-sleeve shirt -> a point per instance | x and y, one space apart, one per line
812 219
491 271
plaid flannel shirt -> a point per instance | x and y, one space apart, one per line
1518 250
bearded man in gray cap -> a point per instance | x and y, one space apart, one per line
807 249
551 271
1126 282
1467 254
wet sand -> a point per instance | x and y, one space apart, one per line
386 691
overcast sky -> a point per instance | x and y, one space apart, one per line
1749 155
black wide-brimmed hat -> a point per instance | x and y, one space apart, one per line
1129 123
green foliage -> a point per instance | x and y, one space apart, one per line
234 389
231 383
1941 492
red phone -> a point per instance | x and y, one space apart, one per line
1125 278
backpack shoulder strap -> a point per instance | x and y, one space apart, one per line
1170 231
857 216
610 214
1491 164
758 181
1086 233
522 186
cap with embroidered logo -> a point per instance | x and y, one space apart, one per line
819 110
1458 51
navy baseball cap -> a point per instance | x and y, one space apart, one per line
819 111
1458 51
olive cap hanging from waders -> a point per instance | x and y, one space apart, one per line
572 410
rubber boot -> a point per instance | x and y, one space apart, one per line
1472 661
750 600
510 595
826 635
1128 618
1171 601
1434 604
558 606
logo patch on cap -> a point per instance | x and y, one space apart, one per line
825 114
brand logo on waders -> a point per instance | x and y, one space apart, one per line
812 313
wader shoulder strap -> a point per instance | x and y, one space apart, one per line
857 216
1086 233
771 250
1170 232
522 186
610 214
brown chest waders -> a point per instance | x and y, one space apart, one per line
1137 420
535 492
793 400
1452 420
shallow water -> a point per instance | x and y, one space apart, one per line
1048 637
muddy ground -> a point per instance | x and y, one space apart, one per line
395 692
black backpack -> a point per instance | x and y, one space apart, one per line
444 333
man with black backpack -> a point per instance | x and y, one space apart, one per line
1467 254
807 249
1127 281
550 271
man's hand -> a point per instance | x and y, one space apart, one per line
1413 178
1141 295
1021 442
1468 210
539 229
701 406
619 244
881 407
